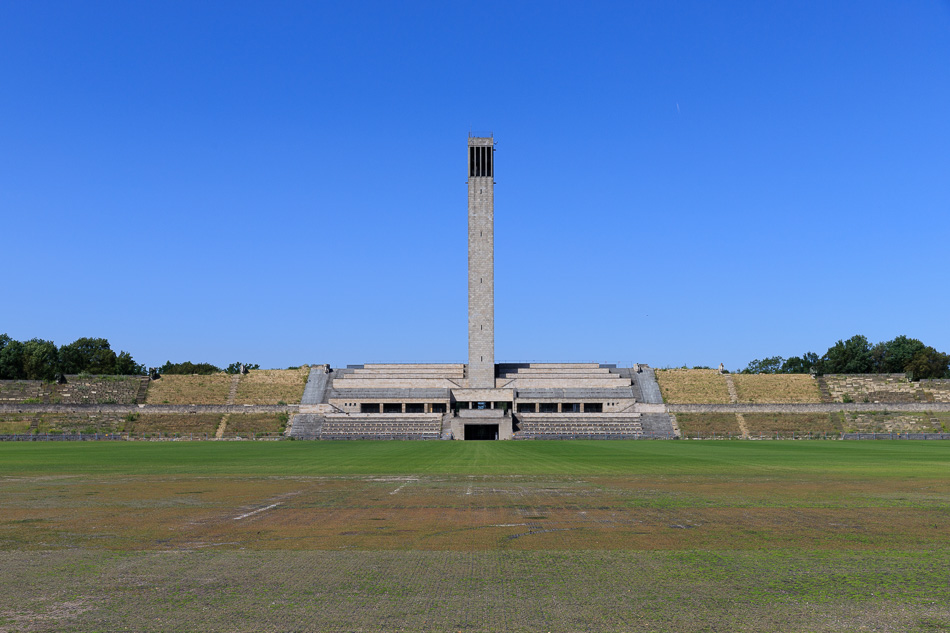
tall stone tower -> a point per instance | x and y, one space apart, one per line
481 263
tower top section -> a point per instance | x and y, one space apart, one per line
480 157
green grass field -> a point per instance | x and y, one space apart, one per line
475 536
851 459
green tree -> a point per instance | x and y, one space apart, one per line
88 355
928 363
848 357
800 364
770 365
11 360
893 357
40 359
235 368
125 365
188 367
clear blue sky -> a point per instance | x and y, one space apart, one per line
284 183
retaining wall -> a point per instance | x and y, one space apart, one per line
149 408
807 408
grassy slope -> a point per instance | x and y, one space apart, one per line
879 459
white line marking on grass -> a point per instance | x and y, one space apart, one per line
400 487
252 512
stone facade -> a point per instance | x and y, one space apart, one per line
481 263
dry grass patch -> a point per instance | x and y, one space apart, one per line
176 389
16 423
60 422
787 424
776 388
692 386
246 424
170 423
272 386
708 424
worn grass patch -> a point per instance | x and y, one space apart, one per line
692 386
94 422
462 513
176 389
777 388
271 386
786 424
708 424
248 424
174 423
14 423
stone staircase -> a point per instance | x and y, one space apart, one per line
305 426
317 383
647 385
232 394
143 390
826 396
657 426
446 433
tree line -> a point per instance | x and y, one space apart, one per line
188 367
858 356
37 359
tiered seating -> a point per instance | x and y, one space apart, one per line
77 390
558 376
98 390
578 426
884 388
369 426
940 388
417 376
19 391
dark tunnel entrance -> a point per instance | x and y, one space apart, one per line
481 431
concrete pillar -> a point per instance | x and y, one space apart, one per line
481 263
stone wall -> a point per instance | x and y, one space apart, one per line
77 390
150 408
885 389
805 408
896 422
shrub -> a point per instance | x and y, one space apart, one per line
188 367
